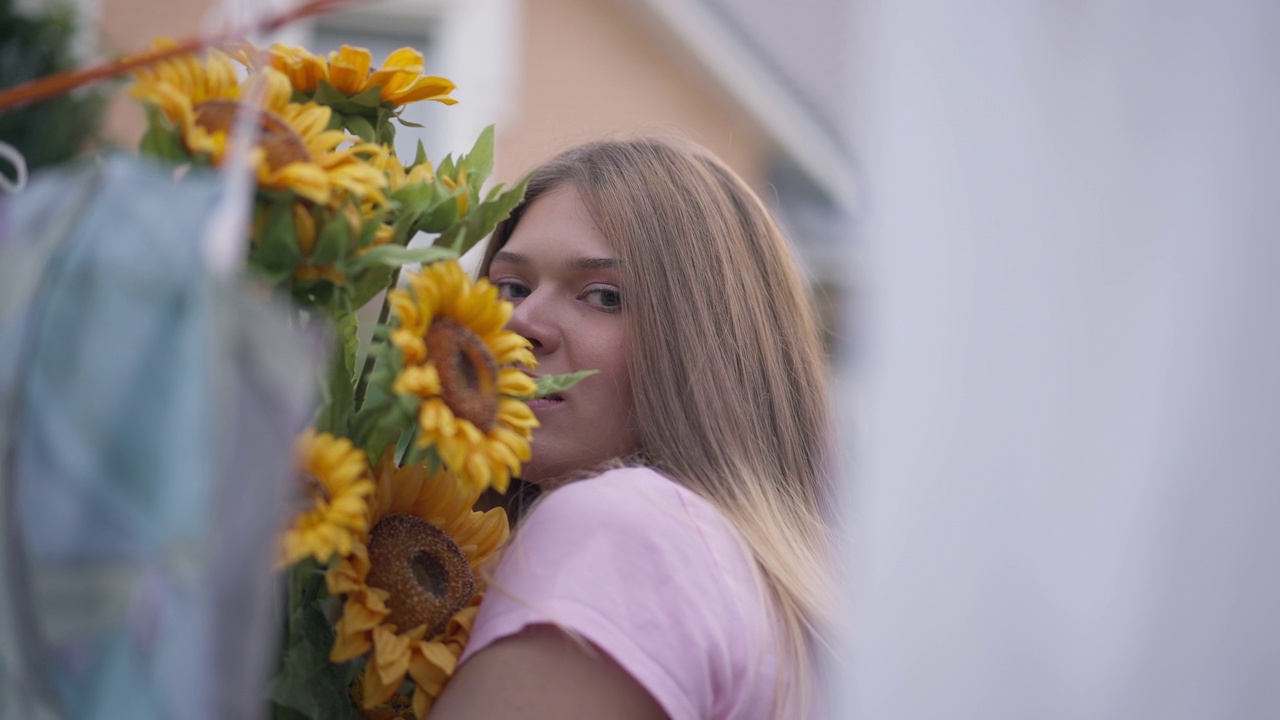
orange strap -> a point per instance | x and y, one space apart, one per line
58 83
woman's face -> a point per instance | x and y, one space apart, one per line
562 276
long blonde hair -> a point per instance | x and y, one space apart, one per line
729 374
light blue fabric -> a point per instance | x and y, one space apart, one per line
149 412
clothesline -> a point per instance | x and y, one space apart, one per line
58 83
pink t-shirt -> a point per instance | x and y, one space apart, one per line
655 577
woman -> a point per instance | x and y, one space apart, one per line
684 577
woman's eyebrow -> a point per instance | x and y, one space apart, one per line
509 257
593 263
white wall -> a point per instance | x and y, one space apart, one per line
1067 493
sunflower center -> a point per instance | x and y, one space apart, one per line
468 372
313 489
425 572
430 573
277 139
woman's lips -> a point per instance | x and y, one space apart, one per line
545 403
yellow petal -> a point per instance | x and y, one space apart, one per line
518 445
425 88
376 692
303 178
349 68
411 345
391 655
515 383
305 228
405 57
278 89
431 663
421 703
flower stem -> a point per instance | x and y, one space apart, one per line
362 386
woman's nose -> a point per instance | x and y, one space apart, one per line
534 320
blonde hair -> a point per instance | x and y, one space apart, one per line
729 374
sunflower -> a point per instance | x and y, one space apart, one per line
337 485
464 199
413 590
459 361
350 71
305 229
398 176
304 69
295 150
180 84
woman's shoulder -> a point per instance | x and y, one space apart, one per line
639 484
653 575
654 539
638 501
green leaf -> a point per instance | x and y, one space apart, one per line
387 426
381 349
402 230
409 404
395 256
368 231
348 333
421 157
363 103
318 293
164 143
276 253
336 411
416 198
446 167
360 127
426 206
268 196
404 444
552 384
161 139
459 239
480 221
308 682
332 243
411 452
327 94
439 217
386 135
479 162
368 284
369 99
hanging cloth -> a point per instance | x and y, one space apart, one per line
148 411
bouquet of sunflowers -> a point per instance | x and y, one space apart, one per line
382 557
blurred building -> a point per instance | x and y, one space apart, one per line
758 82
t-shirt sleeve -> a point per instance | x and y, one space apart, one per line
645 571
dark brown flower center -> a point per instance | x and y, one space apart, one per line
313 489
468 372
425 572
278 140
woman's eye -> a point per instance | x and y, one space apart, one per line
511 290
605 298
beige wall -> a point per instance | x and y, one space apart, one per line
130 25
585 69
588 69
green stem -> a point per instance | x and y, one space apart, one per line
295 600
362 386
409 447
